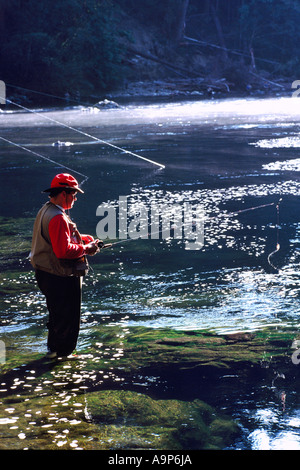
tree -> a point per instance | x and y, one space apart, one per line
60 46
271 29
219 30
179 19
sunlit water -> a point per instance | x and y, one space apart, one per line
228 156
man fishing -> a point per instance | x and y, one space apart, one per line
58 255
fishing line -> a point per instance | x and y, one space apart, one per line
46 158
42 93
277 227
109 245
277 244
86 134
230 214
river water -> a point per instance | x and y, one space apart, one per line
237 159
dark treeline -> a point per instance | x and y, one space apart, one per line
88 45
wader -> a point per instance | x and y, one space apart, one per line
63 297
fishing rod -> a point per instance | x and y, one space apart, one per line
102 245
86 134
109 245
230 214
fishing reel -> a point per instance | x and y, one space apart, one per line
102 245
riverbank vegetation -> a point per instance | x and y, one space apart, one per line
91 47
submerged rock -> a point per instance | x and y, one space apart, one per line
163 424
137 388
107 104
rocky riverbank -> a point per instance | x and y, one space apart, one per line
202 88
166 90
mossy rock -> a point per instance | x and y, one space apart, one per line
100 386
110 419
163 349
172 424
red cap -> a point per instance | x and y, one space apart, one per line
64 181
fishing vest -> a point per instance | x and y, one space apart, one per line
42 255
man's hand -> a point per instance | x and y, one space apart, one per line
92 248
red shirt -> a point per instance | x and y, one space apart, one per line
65 244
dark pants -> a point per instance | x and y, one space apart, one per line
63 297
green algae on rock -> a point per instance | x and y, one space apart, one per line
163 424
160 348
111 419
95 402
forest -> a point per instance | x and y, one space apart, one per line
94 46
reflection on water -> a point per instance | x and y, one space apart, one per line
228 156
189 294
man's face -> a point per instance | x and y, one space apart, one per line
70 198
